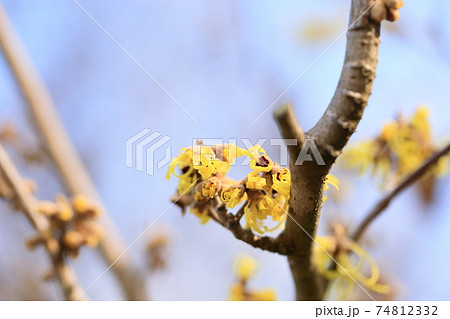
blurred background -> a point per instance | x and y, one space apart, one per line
225 62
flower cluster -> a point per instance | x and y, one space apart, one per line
245 269
385 10
401 147
72 225
203 179
344 275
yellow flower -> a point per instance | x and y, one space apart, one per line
420 121
183 161
362 157
256 211
259 161
185 184
346 269
245 267
210 187
402 146
255 181
282 182
260 207
237 292
263 295
233 195
389 131
208 163
332 180
269 183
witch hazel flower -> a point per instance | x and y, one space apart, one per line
205 187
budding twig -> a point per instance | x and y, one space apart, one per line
27 203
386 200
65 157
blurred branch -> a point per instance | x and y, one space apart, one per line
330 134
27 203
408 181
65 157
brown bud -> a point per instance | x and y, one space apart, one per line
8 132
73 239
80 203
73 252
394 4
65 212
378 11
52 245
83 206
393 15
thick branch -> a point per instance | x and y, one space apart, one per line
27 203
339 122
330 135
64 156
386 200
232 223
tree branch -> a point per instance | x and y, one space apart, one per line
339 122
386 200
65 157
330 135
232 223
28 204
290 128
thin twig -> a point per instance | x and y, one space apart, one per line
65 157
386 200
290 128
28 205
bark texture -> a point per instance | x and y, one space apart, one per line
330 135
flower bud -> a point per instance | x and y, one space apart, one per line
378 11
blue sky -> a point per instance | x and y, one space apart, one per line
226 62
